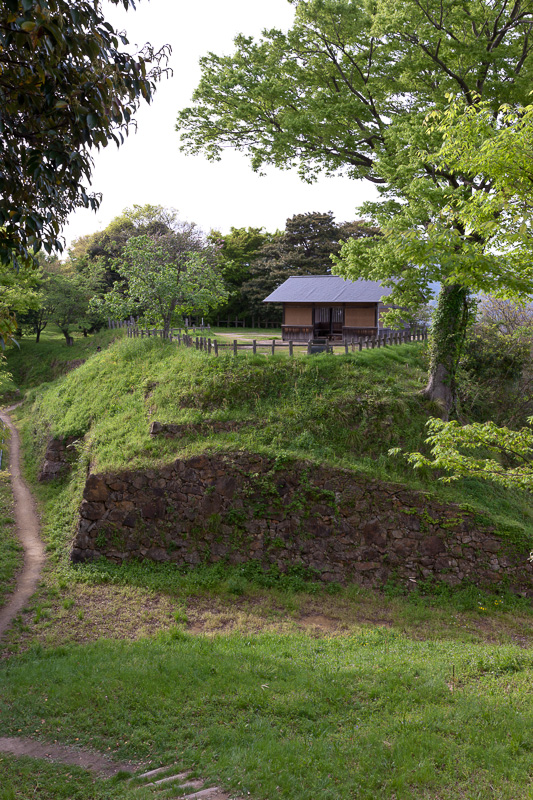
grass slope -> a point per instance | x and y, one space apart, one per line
269 685
345 410
374 715
11 552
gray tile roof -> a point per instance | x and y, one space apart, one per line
327 289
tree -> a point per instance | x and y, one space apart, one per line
67 84
495 377
498 145
462 452
105 248
304 248
348 90
162 282
237 252
18 296
67 295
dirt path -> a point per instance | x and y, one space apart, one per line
27 523
76 757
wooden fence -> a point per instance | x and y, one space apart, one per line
214 346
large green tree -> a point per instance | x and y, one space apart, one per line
160 282
348 90
68 83
105 248
237 252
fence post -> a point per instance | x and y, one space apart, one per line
346 346
235 347
291 349
273 345
254 346
360 343
209 345
216 347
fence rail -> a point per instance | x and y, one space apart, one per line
213 346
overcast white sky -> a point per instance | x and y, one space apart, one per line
149 168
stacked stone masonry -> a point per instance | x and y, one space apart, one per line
59 453
237 507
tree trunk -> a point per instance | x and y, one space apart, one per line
68 338
38 336
448 332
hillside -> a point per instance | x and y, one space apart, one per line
344 411
225 669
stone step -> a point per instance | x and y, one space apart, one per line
214 793
158 771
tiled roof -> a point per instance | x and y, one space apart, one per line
327 289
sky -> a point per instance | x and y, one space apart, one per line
149 168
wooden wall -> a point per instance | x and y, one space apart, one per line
298 315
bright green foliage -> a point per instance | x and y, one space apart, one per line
18 294
497 147
461 450
348 89
162 282
67 86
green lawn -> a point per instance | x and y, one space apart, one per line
367 716
271 686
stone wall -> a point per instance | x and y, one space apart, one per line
57 458
240 506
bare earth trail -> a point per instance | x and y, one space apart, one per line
28 530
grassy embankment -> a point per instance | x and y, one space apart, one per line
389 697
11 553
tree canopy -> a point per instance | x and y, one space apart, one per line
496 144
348 90
68 83
161 281
305 247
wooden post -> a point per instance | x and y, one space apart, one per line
360 343
254 346
346 346
209 345
216 347
273 345
291 349
235 347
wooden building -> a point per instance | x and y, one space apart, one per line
329 306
